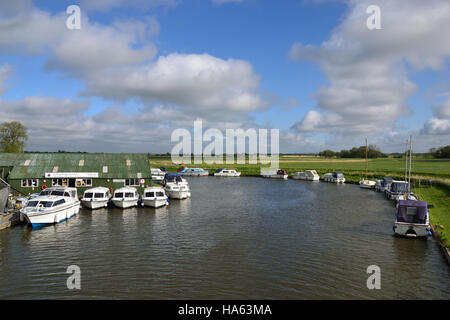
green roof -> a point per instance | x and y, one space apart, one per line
35 165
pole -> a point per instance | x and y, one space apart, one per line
406 161
367 163
410 156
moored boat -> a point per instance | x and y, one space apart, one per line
412 219
335 177
125 197
223 172
365 183
155 197
96 198
176 187
279 174
308 175
193 172
53 205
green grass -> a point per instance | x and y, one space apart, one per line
431 177
438 198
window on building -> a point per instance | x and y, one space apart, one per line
132 182
83 182
59 182
28 183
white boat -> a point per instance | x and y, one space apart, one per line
223 172
125 197
53 205
412 219
335 177
155 197
309 175
176 187
279 174
96 198
157 174
367 184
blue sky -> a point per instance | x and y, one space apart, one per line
285 53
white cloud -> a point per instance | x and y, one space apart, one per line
368 81
107 5
201 85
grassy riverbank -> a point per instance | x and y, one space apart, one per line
431 177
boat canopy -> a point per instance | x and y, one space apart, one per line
220 170
412 211
175 177
338 174
386 180
399 187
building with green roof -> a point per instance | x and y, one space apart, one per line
31 172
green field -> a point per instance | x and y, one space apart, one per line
431 177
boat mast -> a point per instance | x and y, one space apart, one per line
410 156
367 163
406 161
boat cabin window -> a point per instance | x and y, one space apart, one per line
32 204
129 194
150 194
44 193
46 204
57 203
399 187
99 195
160 194
119 195
88 195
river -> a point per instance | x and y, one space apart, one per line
236 238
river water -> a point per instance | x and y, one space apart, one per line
236 238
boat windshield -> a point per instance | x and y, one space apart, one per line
32 204
160 194
129 194
45 193
99 195
46 204
88 195
150 194
119 195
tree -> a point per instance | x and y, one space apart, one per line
442 152
13 136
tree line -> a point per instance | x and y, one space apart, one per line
372 153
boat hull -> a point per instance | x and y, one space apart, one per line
37 219
155 203
178 195
94 204
334 180
276 176
412 230
124 204
227 174
367 184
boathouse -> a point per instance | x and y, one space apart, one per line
31 172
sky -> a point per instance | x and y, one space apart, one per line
137 70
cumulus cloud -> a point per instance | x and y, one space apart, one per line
366 69
439 124
198 84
